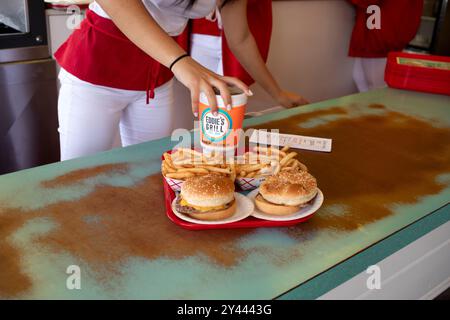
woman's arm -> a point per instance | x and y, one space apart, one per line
244 47
132 18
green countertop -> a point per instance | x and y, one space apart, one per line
386 183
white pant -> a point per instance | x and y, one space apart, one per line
90 116
207 50
368 73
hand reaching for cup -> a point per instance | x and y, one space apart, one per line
199 79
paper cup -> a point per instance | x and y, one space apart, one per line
221 133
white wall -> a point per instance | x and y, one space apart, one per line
308 52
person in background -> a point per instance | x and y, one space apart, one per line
209 47
400 20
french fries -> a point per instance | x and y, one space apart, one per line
286 159
185 163
268 161
217 169
194 170
179 175
261 162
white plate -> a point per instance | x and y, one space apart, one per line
244 208
304 212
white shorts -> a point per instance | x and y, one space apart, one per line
90 116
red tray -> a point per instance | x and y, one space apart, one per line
418 72
249 222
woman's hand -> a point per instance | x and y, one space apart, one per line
290 99
133 19
199 79
244 47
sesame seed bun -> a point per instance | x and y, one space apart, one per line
286 192
209 197
208 191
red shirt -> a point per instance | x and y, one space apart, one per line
99 53
400 20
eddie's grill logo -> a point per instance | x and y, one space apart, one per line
216 128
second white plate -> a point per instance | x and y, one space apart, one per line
302 213
244 208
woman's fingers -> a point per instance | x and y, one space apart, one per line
224 92
238 83
195 96
210 95
290 99
200 80
303 101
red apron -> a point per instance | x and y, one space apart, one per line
99 53
259 15
400 20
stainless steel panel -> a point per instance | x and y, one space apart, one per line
22 24
28 115
14 13
22 54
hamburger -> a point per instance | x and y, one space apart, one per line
286 193
209 197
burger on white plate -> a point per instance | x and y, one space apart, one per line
209 197
286 193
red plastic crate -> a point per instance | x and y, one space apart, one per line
418 72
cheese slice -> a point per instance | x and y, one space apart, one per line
202 209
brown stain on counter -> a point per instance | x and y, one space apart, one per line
83 174
377 160
12 280
129 222
376 106
110 225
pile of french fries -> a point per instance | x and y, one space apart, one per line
262 162
258 163
185 163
